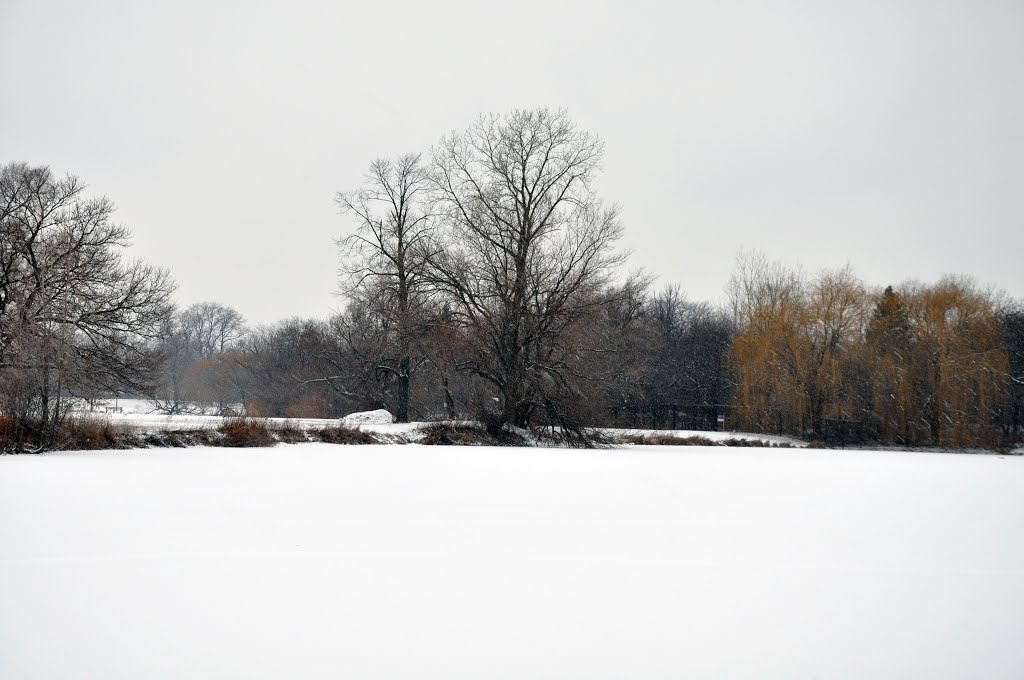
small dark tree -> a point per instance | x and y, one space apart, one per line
689 342
1011 320
888 355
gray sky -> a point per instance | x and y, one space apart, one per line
888 134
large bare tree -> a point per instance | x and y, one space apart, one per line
74 314
384 261
527 251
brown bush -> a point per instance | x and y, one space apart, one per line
289 433
21 435
664 440
341 434
468 434
694 440
82 434
179 438
247 432
8 434
89 434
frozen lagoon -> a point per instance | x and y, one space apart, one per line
323 561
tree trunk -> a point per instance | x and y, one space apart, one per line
449 403
404 378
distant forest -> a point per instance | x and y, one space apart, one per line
483 280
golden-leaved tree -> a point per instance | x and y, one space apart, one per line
922 365
957 364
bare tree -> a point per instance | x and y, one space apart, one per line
687 343
73 313
1011 318
527 251
310 367
211 328
384 261
199 343
169 394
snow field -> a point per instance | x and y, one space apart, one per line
321 561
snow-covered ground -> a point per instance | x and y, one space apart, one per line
142 415
320 561
767 439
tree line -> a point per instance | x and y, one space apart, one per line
483 280
829 358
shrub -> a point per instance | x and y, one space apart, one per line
744 443
653 439
342 434
246 432
664 440
8 433
468 434
83 434
90 434
289 433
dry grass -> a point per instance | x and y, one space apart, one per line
246 432
81 434
468 434
8 434
289 433
89 434
657 439
662 440
341 434
179 439
756 443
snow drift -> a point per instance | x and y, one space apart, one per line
378 417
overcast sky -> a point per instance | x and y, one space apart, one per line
888 134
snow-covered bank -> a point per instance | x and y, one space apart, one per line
321 561
717 437
138 421
140 416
